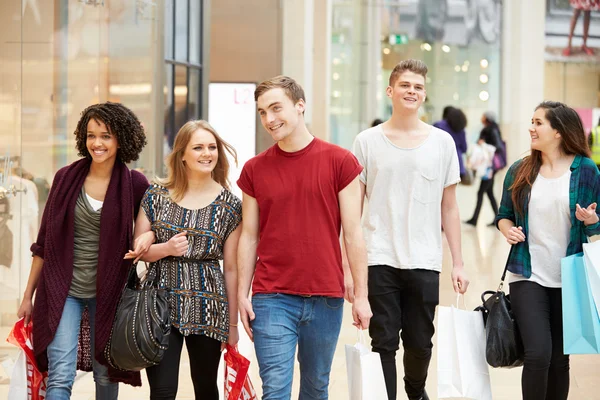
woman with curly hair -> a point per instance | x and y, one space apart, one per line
78 268
196 220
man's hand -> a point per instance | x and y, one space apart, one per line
246 315
361 312
460 282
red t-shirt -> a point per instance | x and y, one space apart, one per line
297 194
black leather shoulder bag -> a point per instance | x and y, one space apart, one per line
142 324
503 347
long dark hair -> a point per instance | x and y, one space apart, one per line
567 122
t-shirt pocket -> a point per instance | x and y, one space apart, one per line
426 187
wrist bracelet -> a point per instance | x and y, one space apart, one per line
233 325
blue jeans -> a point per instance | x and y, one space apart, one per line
62 354
284 321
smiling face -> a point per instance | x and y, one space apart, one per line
278 113
101 144
408 91
543 137
201 153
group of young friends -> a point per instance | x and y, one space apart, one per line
300 197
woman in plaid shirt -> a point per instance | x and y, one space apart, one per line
547 212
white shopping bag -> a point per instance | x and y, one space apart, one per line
365 373
591 260
18 380
462 369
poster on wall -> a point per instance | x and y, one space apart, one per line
573 31
453 22
232 112
590 117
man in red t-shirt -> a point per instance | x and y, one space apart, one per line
297 196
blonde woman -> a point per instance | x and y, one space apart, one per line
196 220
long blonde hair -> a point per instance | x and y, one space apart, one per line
177 179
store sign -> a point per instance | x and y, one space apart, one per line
398 39
232 112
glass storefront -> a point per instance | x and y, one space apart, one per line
458 40
56 58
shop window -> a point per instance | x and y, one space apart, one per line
183 65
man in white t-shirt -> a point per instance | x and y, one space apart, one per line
410 175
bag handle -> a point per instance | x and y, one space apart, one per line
458 297
512 248
361 336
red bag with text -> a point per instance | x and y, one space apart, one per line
26 382
237 381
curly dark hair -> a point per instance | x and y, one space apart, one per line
121 122
456 119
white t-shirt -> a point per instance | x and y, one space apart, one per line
404 188
549 229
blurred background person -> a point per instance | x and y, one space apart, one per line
454 121
490 134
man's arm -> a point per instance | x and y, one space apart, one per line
350 200
348 280
246 257
451 224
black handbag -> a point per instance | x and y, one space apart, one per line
503 344
140 331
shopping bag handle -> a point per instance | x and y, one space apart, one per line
458 297
361 336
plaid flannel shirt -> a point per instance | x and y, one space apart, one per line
584 189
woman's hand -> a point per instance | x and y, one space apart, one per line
234 337
25 310
586 215
141 246
178 244
515 235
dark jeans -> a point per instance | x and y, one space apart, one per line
538 311
205 355
486 187
403 301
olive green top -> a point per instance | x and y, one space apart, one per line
85 254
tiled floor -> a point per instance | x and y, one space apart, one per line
484 251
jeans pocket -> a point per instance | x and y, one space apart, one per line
333 302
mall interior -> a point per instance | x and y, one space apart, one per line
174 60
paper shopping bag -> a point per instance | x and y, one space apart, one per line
591 260
581 324
365 373
26 382
462 368
237 381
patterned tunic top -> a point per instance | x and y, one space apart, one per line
195 281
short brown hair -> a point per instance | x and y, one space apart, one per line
291 88
415 66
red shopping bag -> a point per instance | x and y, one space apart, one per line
237 381
27 382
